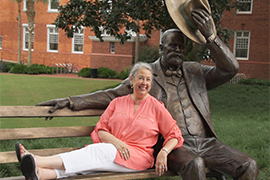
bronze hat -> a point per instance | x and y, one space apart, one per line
180 11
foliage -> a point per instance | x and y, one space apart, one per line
84 72
103 72
148 54
252 81
6 66
33 69
124 74
121 15
19 69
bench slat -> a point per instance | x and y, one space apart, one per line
109 175
42 111
48 132
10 156
121 176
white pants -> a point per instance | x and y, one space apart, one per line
90 159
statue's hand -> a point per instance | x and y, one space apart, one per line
203 22
56 103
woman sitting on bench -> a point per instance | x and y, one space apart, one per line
123 138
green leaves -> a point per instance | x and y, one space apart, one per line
114 16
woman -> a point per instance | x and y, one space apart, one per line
123 137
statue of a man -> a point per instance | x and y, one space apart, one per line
182 87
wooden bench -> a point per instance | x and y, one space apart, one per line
66 132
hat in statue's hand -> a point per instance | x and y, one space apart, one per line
180 11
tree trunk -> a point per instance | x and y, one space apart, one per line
137 44
19 33
30 5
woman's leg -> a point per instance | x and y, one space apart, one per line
49 162
45 165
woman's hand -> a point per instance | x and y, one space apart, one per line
161 162
122 148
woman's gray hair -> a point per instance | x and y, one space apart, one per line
136 67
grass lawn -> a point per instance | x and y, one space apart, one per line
240 114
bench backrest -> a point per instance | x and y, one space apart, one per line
46 132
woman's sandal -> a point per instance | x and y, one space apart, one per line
18 148
28 167
18 151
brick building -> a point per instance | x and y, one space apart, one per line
250 43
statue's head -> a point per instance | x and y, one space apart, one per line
172 48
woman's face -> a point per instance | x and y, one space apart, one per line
141 83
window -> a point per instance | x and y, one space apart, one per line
24 5
53 5
241 44
26 37
52 38
104 32
0 42
112 47
245 6
77 41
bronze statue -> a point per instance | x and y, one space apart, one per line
182 87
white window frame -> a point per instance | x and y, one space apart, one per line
24 40
49 7
112 47
49 27
245 12
74 39
0 41
24 5
236 40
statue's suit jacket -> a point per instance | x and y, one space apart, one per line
199 78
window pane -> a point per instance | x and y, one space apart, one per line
0 41
241 53
112 47
242 44
53 39
78 47
54 46
54 4
246 34
245 5
238 34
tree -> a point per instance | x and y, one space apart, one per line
19 2
30 11
116 15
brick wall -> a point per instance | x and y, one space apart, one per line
257 66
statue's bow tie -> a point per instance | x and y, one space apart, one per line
175 73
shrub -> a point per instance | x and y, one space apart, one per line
19 69
6 66
33 69
124 74
103 72
84 72
45 69
252 81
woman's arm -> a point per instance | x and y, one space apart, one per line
161 161
122 147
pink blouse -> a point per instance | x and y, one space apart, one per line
138 130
